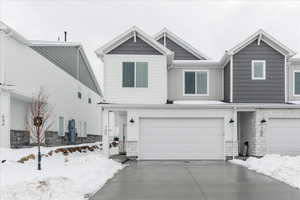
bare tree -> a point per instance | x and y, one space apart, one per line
39 109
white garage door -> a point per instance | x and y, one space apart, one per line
283 136
181 138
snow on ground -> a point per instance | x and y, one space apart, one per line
61 178
283 168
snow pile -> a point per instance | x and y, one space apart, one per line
61 178
283 168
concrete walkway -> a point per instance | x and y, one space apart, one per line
174 180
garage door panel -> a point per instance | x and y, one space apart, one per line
284 136
188 122
181 138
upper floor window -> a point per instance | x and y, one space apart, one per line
258 70
135 74
196 83
79 95
297 83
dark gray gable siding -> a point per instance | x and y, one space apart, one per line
246 90
180 53
85 76
227 82
66 59
139 47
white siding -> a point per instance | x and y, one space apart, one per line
18 111
156 93
4 119
29 71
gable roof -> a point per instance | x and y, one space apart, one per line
46 48
12 33
132 32
68 56
180 42
259 35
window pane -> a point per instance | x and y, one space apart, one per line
258 69
201 82
142 74
189 81
128 74
297 82
61 131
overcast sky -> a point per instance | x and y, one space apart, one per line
210 26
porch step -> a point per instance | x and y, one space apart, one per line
120 158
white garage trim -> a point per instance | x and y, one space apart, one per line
219 154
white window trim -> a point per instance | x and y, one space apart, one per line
135 74
183 83
294 72
264 70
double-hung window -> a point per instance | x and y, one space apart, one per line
135 74
196 83
258 70
297 83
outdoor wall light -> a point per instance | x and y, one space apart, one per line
263 121
231 121
131 120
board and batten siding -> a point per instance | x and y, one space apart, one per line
176 84
138 47
227 82
155 93
270 90
179 52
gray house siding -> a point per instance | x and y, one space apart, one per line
246 90
179 52
138 47
227 82
175 85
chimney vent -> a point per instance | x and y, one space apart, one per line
65 36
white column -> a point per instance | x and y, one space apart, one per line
4 119
105 133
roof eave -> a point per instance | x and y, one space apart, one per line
103 50
283 49
90 70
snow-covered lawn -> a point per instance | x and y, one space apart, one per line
282 168
62 177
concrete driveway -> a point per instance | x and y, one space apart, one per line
207 180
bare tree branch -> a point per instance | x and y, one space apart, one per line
39 106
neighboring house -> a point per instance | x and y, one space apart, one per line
63 71
167 100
